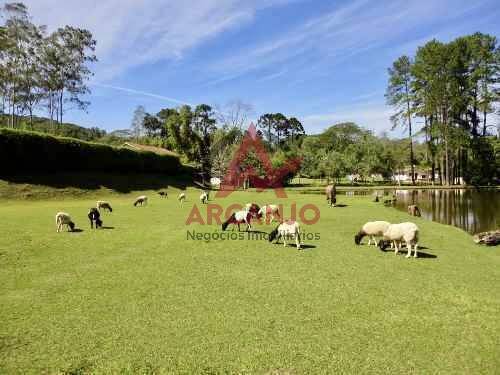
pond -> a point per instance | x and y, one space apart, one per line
472 210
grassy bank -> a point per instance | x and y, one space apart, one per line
85 185
139 297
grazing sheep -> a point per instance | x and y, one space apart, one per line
94 215
269 211
204 197
104 206
142 200
413 210
238 218
163 194
331 194
399 232
372 229
62 218
290 229
181 197
389 202
253 208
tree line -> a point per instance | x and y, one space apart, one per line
207 137
41 70
453 88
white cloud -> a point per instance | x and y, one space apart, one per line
338 35
131 32
375 117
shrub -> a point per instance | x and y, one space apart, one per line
24 151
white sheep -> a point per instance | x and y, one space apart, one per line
62 218
204 197
399 232
181 197
372 229
142 200
290 229
270 211
104 206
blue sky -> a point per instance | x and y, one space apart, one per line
321 61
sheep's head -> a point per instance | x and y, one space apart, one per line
273 235
358 237
383 244
71 225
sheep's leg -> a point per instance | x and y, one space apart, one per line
369 240
396 245
415 250
284 240
58 227
297 241
408 245
376 242
238 227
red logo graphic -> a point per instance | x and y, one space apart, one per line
273 178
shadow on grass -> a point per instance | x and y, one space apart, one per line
404 251
302 247
104 227
76 230
122 183
258 232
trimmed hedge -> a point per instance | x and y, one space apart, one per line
25 151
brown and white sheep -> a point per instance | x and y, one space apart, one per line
413 210
104 206
270 211
331 195
141 200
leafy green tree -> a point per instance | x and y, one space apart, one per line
266 123
204 125
153 126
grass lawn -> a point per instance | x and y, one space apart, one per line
141 298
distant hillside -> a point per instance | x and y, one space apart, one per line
43 125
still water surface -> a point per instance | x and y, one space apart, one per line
472 210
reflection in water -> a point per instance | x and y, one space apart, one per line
472 210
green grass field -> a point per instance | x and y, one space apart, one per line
141 298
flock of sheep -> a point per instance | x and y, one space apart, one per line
391 234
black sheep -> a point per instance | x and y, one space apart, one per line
94 215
